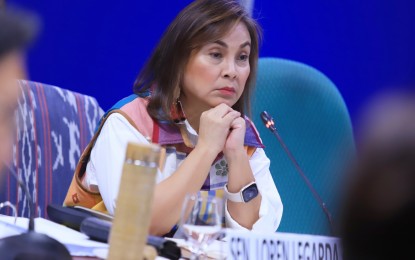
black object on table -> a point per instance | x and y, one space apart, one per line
98 227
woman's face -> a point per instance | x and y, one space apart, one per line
217 73
11 68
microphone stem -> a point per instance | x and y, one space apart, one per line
306 180
24 188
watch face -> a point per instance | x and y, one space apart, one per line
250 192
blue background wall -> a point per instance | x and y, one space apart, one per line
98 47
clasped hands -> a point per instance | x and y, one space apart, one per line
222 129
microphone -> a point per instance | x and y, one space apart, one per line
24 188
31 245
269 123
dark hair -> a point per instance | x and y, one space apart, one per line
201 22
17 30
378 213
378 210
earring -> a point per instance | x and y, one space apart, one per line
178 115
177 112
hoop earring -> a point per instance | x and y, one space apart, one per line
178 115
177 112
179 118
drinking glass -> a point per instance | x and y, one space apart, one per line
201 222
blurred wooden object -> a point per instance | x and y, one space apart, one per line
133 211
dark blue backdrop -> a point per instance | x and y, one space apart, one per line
98 47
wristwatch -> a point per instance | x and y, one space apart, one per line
246 194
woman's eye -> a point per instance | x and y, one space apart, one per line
243 57
216 55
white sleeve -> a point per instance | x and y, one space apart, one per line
270 212
104 168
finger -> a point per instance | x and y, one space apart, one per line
221 110
238 123
232 111
230 117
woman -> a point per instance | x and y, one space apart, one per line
191 98
16 33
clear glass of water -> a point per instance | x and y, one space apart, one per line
201 222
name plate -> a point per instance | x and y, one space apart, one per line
249 245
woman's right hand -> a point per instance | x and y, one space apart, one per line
214 127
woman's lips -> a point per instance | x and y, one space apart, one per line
227 91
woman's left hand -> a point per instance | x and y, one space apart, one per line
236 137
